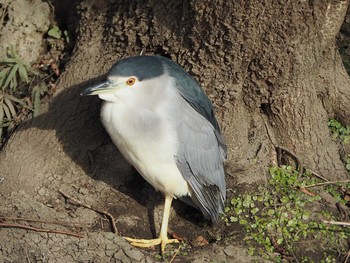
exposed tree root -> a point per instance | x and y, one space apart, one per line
62 223
41 229
328 182
105 213
298 164
336 223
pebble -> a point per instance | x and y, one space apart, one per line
134 254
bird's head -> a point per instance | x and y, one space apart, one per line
129 77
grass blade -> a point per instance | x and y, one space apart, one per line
11 75
7 112
19 101
22 71
3 74
8 61
11 107
1 115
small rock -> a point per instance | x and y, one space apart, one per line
121 257
231 251
110 236
111 246
110 253
41 191
134 254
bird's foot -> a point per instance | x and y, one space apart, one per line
151 242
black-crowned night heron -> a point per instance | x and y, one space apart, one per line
164 125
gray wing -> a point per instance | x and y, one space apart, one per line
195 96
200 161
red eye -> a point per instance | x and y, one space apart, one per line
130 81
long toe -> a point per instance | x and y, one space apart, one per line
143 242
151 242
166 242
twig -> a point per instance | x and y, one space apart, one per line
325 183
105 213
42 230
297 161
337 223
62 223
175 254
318 175
347 257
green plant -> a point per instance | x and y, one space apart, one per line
37 92
277 217
13 72
339 131
172 252
56 33
347 165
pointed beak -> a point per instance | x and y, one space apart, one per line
98 88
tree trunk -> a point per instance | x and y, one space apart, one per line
271 69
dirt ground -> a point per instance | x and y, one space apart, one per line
136 208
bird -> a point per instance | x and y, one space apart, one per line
164 125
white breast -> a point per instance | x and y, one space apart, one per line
146 138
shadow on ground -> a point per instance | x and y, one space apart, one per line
75 120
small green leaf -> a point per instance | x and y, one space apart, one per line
280 241
15 99
7 112
254 210
1 114
11 75
3 75
23 73
233 219
243 222
14 83
348 167
11 107
8 61
251 251
67 36
270 212
284 199
55 32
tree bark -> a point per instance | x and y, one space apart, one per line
271 69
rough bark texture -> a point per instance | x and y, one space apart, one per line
271 70
23 28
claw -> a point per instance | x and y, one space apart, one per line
151 242
163 239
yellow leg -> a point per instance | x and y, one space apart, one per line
163 236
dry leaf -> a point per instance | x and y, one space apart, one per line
200 241
306 191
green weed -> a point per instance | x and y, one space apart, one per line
278 217
339 131
13 72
